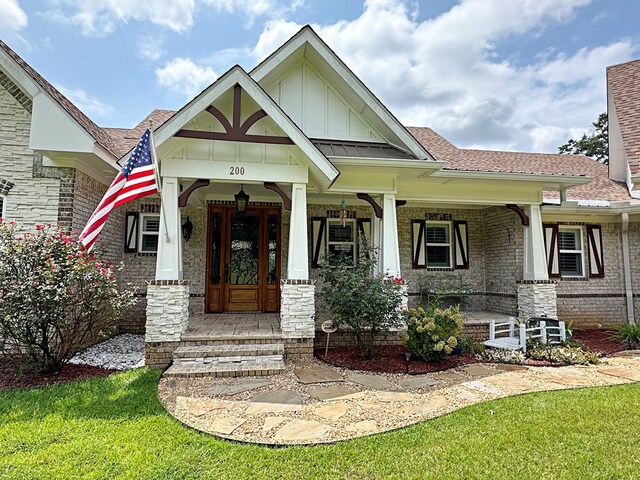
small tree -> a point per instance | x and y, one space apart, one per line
54 296
594 145
355 297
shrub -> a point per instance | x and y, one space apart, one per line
355 297
53 296
629 334
499 355
565 354
432 334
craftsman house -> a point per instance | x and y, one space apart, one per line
266 172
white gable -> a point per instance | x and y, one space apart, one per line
321 94
318 108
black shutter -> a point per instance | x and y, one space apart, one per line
595 251
131 232
552 249
364 230
318 225
418 244
461 242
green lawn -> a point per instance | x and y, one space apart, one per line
114 427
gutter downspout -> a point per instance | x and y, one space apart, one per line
626 265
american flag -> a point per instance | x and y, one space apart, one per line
137 179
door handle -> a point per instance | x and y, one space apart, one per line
227 273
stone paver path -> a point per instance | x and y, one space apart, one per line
302 406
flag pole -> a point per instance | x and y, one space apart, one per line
156 169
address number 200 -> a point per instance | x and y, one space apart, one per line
236 170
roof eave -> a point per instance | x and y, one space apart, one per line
562 181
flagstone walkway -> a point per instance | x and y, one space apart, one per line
313 402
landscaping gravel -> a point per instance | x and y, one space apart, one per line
123 352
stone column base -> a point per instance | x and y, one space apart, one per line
537 299
297 308
167 319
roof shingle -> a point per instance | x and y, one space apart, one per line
99 135
624 85
601 188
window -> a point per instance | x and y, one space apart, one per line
149 233
3 205
570 251
341 240
438 239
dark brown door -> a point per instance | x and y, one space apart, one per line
243 259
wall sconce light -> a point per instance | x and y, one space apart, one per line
242 200
187 230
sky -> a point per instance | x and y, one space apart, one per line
497 74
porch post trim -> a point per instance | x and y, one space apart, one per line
169 258
535 258
298 258
390 243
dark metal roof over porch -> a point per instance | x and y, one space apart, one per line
340 148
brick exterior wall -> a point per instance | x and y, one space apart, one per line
592 302
503 240
34 197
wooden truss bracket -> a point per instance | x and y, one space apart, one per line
367 198
286 201
524 219
184 196
234 131
400 203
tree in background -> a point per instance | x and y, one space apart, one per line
594 145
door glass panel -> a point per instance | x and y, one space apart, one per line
216 244
272 238
243 259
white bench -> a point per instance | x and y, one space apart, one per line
503 335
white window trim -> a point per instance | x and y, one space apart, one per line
355 235
3 210
142 232
449 225
581 251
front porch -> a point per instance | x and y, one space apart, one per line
233 327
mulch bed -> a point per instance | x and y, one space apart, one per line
11 378
599 341
390 358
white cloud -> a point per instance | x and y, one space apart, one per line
446 72
90 105
102 17
183 76
150 48
12 17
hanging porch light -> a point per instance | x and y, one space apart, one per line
242 200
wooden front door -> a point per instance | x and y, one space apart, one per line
243 259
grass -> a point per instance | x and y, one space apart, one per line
114 427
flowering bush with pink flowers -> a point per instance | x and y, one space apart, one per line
55 297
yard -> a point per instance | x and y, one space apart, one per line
114 427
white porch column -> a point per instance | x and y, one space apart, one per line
169 260
390 255
298 258
535 258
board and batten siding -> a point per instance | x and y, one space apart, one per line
318 108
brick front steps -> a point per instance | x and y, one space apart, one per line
202 359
